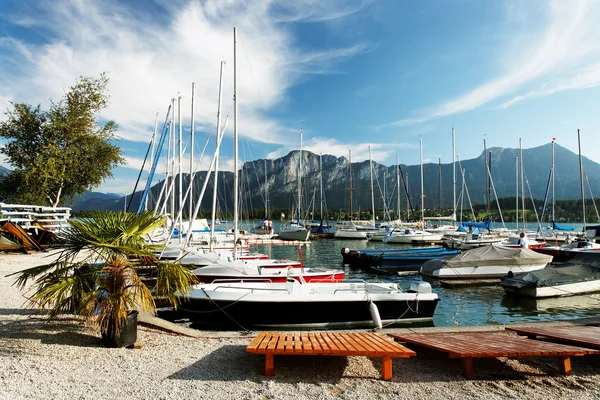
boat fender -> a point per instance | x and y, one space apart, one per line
375 315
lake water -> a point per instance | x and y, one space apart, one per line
469 306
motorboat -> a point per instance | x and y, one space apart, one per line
243 271
493 261
410 236
349 230
580 275
300 305
566 252
294 230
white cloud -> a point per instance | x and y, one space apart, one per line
568 41
152 58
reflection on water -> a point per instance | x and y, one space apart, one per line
466 306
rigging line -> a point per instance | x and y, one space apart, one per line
533 205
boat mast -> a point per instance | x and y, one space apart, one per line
235 147
522 187
440 190
172 161
487 183
581 178
453 176
398 185
192 154
152 154
266 193
216 178
517 188
180 168
300 179
372 194
553 204
350 169
422 194
321 168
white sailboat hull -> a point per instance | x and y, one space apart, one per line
487 271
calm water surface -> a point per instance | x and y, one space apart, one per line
484 305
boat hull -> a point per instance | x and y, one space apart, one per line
331 305
569 289
482 272
350 234
300 235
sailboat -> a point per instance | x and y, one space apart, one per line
295 229
416 236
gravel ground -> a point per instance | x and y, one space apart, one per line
64 359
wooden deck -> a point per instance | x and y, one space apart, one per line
468 346
328 344
585 336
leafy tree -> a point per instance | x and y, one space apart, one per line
62 152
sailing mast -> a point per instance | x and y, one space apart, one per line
216 178
350 168
266 193
300 179
553 203
517 188
581 178
453 176
235 147
522 187
487 183
398 185
321 168
372 194
422 194
180 168
192 154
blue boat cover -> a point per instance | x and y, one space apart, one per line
558 227
483 224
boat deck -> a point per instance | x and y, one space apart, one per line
468 346
328 344
586 336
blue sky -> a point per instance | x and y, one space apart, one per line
350 74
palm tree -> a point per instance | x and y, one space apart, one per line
95 275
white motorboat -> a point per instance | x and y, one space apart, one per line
276 271
580 275
493 261
299 305
411 236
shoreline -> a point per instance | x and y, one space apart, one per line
64 359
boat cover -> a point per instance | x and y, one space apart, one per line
558 227
487 255
582 268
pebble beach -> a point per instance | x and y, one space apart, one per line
65 359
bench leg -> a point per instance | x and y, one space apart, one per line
467 366
564 365
386 362
269 365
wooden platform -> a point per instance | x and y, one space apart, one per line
580 335
468 346
328 344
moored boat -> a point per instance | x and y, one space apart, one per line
493 261
580 275
299 305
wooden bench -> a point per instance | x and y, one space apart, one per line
468 346
328 344
579 335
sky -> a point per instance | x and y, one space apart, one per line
348 74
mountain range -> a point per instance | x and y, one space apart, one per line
281 182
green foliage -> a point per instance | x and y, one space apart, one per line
62 152
95 274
